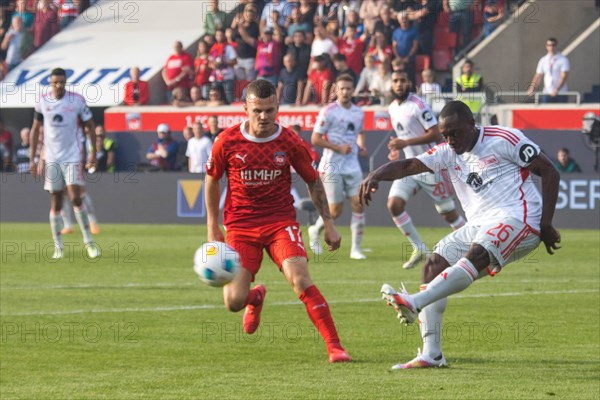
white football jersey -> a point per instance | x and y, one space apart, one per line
491 181
410 119
62 141
341 126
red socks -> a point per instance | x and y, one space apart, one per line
318 312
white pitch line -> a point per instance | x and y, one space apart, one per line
282 303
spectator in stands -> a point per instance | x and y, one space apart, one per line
182 157
4 158
493 14
380 48
369 13
301 52
307 11
69 9
425 14
46 23
198 150
386 25
178 71
202 69
6 141
461 20
352 47
215 98
319 82
354 19
27 17
245 26
214 18
398 65
322 44
344 9
269 20
222 58
213 127
162 153
15 43
564 163
287 88
470 82
406 43
181 98
230 38
106 150
554 68
341 67
209 40
327 10
196 96
21 158
268 55
381 85
333 29
428 87
292 24
366 76
137 92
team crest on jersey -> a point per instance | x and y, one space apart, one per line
351 127
474 180
58 119
280 158
399 127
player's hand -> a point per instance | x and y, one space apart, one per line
551 237
394 155
215 235
332 238
397 144
363 152
91 165
33 170
345 149
367 186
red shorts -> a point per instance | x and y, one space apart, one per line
282 240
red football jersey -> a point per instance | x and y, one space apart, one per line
259 176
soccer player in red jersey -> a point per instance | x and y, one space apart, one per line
259 214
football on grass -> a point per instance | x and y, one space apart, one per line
216 263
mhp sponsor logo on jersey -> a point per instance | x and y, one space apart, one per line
190 199
259 176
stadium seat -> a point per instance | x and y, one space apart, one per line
444 40
422 62
442 59
478 17
443 20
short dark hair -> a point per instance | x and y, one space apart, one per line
469 62
564 150
58 72
458 108
261 88
345 78
339 57
552 39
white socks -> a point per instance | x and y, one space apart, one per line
430 319
452 280
404 223
458 223
84 224
89 206
56 225
67 213
319 224
357 227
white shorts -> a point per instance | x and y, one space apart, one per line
441 192
341 186
57 176
506 241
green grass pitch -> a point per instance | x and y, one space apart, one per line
138 324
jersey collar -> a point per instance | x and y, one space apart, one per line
259 140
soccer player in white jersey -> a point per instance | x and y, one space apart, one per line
417 131
490 168
60 111
339 167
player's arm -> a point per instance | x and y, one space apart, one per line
389 172
317 194
362 145
542 167
317 140
535 82
34 140
90 129
213 196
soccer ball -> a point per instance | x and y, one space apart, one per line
216 263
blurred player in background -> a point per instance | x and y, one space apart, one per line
342 123
259 214
491 169
60 112
417 131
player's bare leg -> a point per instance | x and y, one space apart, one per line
402 220
237 295
357 227
56 223
81 216
296 272
314 231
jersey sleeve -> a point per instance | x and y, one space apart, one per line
322 124
524 152
302 162
437 158
37 112
84 111
426 117
216 164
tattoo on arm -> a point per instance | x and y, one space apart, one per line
317 194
